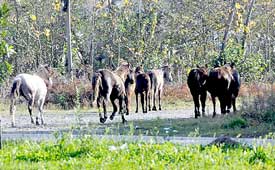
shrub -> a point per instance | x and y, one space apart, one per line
236 123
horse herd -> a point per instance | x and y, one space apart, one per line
222 82
108 86
121 83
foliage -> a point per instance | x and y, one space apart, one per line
5 48
89 153
151 33
236 122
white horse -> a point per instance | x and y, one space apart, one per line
33 87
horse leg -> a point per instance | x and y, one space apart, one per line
142 102
197 105
136 102
159 93
203 100
149 100
104 105
121 110
114 109
214 105
222 104
12 111
127 103
40 114
154 100
146 101
98 101
30 106
234 103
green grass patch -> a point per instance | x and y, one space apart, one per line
89 153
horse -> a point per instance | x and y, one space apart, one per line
108 86
220 83
157 78
196 81
143 85
125 72
33 87
234 87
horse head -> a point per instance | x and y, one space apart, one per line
167 73
46 73
203 74
139 69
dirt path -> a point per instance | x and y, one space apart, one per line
59 121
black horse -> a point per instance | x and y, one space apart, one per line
143 87
224 82
196 81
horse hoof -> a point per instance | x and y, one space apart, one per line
154 108
102 120
144 112
124 121
136 111
214 115
160 108
227 111
13 125
111 117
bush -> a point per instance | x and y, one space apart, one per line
236 123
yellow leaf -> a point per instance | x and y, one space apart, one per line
126 2
99 5
238 6
47 32
33 17
246 29
57 5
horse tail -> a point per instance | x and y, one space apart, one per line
151 76
96 84
15 92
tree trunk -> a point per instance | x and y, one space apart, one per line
222 58
246 25
69 44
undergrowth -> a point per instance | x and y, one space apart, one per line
87 152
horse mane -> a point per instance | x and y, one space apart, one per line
121 71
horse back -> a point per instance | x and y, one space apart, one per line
156 78
112 83
143 83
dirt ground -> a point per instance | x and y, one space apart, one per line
67 119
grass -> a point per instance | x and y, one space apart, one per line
229 125
88 153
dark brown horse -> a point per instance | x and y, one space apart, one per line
196 81
221 84
157 78
143 86
107 86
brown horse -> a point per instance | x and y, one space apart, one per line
125 72
196 81
218 84
157 78
143 86
108 86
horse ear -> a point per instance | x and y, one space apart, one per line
232 65
198 66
